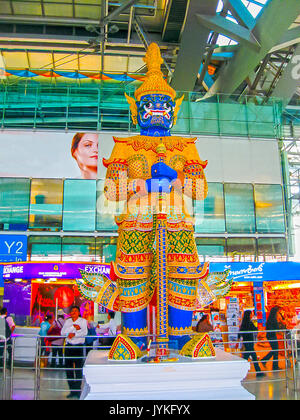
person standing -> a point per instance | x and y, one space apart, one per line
9 329
296 338
75 329
274 323
92 336
247 331
203 325
110 328
56 342
45 350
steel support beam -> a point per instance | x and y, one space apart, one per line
240 12
291 37
193 45
290 79
204 77
274 20
116 12
223 26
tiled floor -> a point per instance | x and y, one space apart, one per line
54 385
273 386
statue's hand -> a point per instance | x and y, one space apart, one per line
161 170
159 185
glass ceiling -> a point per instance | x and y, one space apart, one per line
254 8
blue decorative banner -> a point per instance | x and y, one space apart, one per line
259 271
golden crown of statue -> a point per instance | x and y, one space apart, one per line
155 82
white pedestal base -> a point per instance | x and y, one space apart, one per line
187 379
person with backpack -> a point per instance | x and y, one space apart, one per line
9 328
57 343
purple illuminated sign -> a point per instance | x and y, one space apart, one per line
52 270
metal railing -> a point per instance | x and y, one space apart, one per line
38 370
275 345
3 355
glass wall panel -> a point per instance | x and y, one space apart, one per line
204 117
106 248
79 208
78 248
260 120
44 248
233 119
109 253
209 213
242 249
14 203
106 210
269 208
211 249
46 204
239 208
183 119
270 249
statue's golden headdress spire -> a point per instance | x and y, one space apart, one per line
154 82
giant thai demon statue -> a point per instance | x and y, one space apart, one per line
136 175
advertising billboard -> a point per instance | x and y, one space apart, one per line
49 155
60 155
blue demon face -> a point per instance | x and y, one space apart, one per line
156 114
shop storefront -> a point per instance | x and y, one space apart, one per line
258 286
33 290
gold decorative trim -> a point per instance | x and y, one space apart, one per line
135 332
200 346
150 143
180 331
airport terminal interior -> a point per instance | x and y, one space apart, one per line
149 199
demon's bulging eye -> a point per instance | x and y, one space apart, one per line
149 105
167 105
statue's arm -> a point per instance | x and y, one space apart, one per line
191 180
118 186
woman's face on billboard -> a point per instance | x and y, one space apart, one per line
86 153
